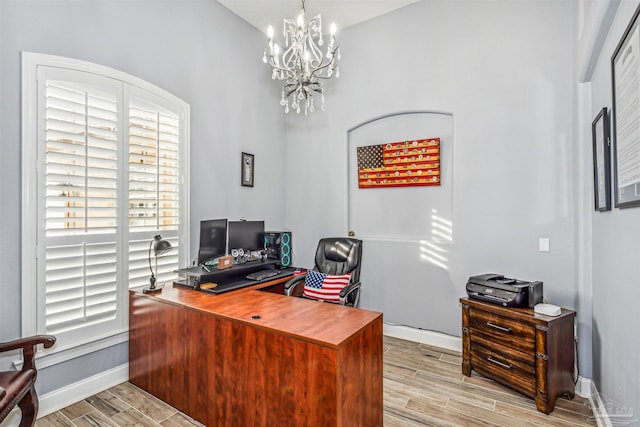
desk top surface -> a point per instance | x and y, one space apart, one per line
326 324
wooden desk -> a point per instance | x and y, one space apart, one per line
299 363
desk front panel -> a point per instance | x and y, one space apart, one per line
155 358
201 358
360 391
266 379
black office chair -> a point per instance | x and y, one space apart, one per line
335 255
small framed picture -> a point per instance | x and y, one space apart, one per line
601 161
248 165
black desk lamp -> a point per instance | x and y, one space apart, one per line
160 247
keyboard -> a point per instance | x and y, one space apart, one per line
262 274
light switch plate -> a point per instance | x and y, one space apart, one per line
543 245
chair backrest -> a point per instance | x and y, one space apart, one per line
339 255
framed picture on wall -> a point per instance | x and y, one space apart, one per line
601 161
625 74
247 168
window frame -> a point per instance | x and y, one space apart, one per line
32 167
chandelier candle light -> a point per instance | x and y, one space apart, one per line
302 64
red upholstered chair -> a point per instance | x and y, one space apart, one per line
18 387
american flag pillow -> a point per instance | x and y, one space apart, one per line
325 287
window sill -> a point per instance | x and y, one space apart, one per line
59 355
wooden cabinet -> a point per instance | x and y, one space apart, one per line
253 358
531 353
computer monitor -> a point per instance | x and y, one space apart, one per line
213 239
246 235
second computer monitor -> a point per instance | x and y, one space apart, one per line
246 235
213 239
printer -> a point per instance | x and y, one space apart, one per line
497 289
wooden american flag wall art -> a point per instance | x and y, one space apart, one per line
399 164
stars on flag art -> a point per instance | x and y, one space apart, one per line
399 164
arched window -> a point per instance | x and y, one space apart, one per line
104 162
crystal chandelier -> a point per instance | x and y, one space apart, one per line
301 65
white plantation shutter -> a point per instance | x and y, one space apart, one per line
81 150
110 156
154 185
153 168
81 286
81 159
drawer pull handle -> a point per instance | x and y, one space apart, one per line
504 365
501 328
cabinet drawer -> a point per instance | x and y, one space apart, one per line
503 330
510 367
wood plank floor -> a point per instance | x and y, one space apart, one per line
423 386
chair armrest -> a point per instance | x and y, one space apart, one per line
28 347
291 285
344 293
46 340
350 288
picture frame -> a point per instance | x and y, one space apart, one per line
625 76
247 168
601 161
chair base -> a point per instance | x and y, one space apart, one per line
29 407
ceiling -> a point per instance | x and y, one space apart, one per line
262 13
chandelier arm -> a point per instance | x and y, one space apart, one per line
291 88
288 71
315 51
290 57
317 72
295 85
316 87
332 53
288 93
276 66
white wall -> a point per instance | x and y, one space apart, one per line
183 47
615 247
504 69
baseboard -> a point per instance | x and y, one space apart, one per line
583 387
598 407
68 395
436 339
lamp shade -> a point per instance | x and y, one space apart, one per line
160 246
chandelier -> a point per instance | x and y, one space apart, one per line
302 65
